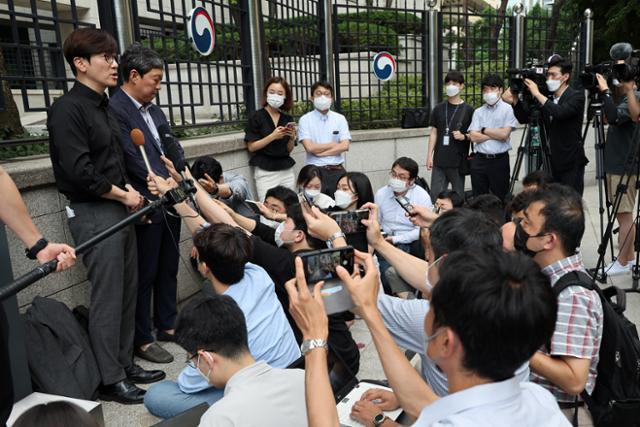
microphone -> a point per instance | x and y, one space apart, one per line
171 147
620 51
138 139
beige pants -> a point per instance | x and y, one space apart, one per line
266 180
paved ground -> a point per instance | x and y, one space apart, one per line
122 415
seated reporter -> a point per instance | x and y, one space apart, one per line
213 331
498 300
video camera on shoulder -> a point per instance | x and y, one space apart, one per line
613 71
536 73
321 265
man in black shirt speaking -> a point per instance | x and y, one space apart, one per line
448 140
562 115
88 165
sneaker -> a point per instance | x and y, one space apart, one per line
615 268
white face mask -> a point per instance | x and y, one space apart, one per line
343 199
277 236
312 193
322 103
427 340
553 85
397 185
275 100
207 376
490 97
452 90
427 281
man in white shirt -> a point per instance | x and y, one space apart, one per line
488 313
490 132
213 331
325 136
401 232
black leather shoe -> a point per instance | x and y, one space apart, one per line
122 392
154 353
140 376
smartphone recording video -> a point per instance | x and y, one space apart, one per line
254 206
321 265
351 221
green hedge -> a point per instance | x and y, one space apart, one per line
400 22
358 36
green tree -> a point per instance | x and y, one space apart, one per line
10 125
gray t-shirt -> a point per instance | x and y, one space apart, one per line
618 142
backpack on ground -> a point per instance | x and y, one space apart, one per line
615 400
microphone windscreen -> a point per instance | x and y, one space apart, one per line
170 147
620 51
137 136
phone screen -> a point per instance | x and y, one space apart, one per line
321 265
351 221
253 205
305 199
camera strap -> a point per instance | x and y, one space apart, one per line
446 116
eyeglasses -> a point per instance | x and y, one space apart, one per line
109 58
190 361
392 174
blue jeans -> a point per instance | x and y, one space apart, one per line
166 400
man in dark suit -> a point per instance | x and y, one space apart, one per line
158 239
562 115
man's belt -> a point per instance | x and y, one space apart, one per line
333 167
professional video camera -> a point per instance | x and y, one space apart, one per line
615 70
630 69
537 73
588 76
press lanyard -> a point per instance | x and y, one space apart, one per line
446 116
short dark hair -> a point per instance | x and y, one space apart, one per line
539 178
85 42
225 249
208 165
558 61
139 58
407 164
214 323
307 173
286 195
359 183
563 214
494 299
56 414
323 84
454 76
288 94
294 212
491 206
462 228
456 199
492 80
519 202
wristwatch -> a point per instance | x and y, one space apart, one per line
482 131
32 252
379 419
308 345
336 235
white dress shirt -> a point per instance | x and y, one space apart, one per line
144 112
323 129
260 396
393 219
499 115
507 403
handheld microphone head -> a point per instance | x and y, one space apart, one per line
170 147
137 137
620 51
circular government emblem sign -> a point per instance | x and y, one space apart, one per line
384 66
201 31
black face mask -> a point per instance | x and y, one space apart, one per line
520 241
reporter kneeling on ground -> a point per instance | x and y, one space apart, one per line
490 312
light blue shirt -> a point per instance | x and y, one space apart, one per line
323 129
144 112
506 403
393 218
270 336
499 115
405 321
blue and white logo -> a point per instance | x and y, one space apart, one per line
384 66
201 31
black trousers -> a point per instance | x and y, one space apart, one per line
112 267
157 277
330 178
490 175
573 178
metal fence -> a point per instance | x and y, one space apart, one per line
297 39
360 33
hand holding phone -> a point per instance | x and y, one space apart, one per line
406 205
255 207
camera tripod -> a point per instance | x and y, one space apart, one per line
594 117
534 144
631 169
